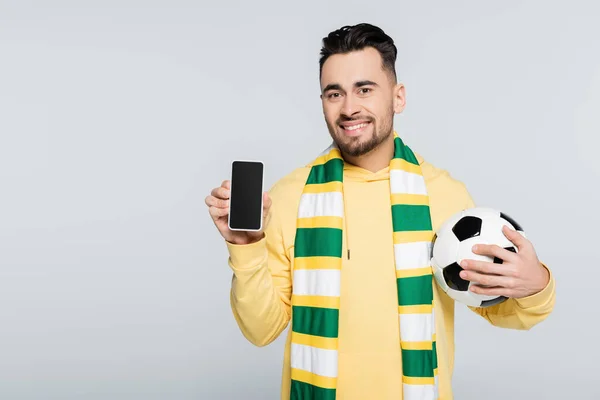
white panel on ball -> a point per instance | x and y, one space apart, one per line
446 250
492 232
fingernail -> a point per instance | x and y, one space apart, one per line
475 247
463 263
463 274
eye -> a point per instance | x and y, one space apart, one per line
365 90
333 95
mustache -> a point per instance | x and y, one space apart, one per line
344 118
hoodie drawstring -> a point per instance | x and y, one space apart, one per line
346 223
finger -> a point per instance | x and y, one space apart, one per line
515 237
226 184
487 280
267 201
216 202
487 267
218 212
491 291
494 250
221 193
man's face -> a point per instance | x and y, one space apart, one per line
358 98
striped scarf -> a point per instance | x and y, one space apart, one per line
317 269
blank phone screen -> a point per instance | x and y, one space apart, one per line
245 206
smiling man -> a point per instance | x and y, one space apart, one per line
336 230
359 112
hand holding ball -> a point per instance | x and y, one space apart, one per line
481 257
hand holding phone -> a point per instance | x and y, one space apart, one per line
239 207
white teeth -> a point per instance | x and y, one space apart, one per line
352 128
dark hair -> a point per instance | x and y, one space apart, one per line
357 37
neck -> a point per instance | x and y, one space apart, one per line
376 159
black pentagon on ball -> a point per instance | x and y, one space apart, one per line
467 228
514 223
453 279
499 260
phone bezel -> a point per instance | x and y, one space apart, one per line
261 197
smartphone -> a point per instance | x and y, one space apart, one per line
246 196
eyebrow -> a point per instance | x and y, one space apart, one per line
337 86
365 83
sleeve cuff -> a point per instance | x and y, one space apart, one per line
245 257
541 297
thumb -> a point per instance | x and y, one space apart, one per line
267 201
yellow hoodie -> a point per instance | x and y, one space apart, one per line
369 354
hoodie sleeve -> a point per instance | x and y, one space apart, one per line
523 313
261 284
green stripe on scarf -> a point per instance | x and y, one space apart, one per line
408 217
315 321
331 171
404 152
417 363
314 242
301 390
414 290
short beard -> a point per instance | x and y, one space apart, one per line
352 147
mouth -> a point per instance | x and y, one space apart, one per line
354 128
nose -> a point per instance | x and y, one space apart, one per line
351 106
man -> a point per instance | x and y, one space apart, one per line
327 261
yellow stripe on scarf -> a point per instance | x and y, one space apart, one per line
335 186
320 222
315 341
407 273
417 381
313 379
426 345
420 309
398 163
316 301
317 263
333 153
415 199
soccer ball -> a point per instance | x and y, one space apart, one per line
454 241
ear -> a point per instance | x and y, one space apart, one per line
399 94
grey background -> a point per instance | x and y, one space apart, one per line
118 117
